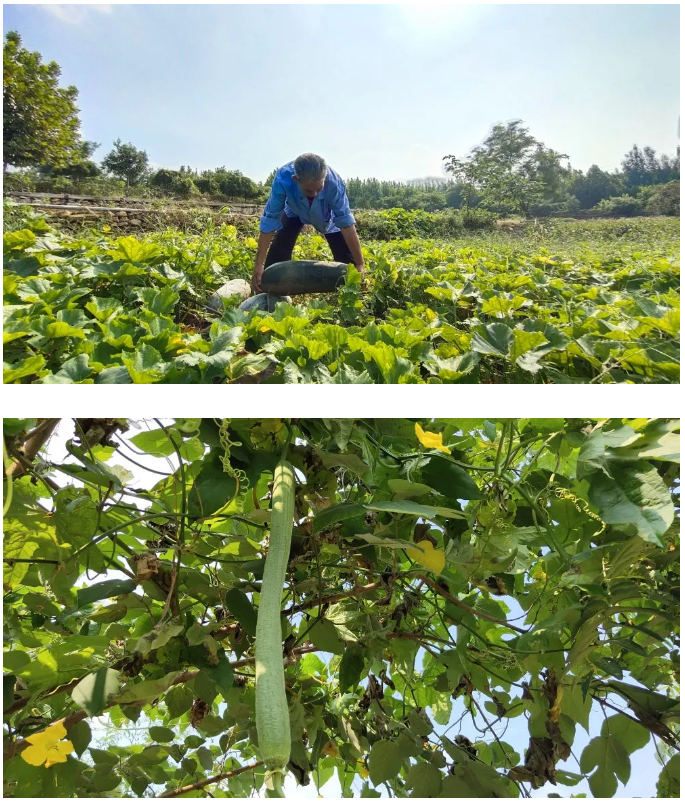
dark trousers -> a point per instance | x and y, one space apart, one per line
281 248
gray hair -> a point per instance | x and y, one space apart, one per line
310 167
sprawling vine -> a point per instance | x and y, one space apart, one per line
472 608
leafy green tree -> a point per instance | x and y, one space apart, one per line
507 170
207 182
234 184
595 186
163 179
126 162
40 119
270 178
661 199
472 608
184 187
642 168
81 168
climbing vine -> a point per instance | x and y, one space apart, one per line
472 607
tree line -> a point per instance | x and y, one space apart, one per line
510 173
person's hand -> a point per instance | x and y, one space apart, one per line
362 270
257 278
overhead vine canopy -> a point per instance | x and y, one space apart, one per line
472 608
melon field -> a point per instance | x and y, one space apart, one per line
593 301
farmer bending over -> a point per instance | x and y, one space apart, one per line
306 191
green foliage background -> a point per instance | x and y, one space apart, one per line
574 523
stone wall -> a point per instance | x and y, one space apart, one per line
70 213
56 199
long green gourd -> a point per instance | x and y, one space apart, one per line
273 721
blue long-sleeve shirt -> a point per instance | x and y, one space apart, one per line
329 211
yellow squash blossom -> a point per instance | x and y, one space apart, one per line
430 440
428 556
48 747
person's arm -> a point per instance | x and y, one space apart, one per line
344 220
269 223
265 239
352 240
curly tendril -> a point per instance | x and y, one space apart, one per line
582 506
237 474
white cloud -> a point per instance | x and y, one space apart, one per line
75 14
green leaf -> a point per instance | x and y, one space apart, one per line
243 610
222 673
635 498
205 757
14 427
450 480
325 636
204 687
576 706
147 690
178 700
211 725
160 734
192 449
668 784
106 780
385 761
414 509
146 365
8 682
336 513
583 642
24 368
474 780
349 460
424 780
80 736
420 726
631 735
158 442
169 630
612 763
18 241
74 370
351 667
523 342
492 339
454 786
93 692
212 488
15 659
133 250
405 489
101 757
104 589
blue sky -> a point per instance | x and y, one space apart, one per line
378 90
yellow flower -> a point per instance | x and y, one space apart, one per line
47 747
430 440
428 556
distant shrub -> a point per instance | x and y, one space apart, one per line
478 219
622 206
18 182
398 224
662 199
184 187
567 208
